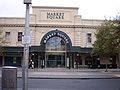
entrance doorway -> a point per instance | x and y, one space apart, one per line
56 44
55 55
55 59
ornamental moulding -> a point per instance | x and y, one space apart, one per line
52 25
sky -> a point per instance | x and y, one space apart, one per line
88 9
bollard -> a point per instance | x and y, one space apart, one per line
9 78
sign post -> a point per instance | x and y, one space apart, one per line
26 43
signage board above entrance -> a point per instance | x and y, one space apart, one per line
55 15
58 34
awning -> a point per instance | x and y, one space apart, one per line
78 49
12 49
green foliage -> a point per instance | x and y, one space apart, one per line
108 38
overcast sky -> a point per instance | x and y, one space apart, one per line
89 9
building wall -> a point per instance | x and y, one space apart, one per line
43 14
45 19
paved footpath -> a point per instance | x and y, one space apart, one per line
72 73
65 73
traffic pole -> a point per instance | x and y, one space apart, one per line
26 43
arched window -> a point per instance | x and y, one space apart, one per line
55 44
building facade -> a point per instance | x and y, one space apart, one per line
59 38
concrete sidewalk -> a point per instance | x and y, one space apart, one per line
58 73
64 73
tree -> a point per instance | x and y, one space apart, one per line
108 39
117 37
104 43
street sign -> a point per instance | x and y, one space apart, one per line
26 40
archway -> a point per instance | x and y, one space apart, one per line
56 44
57 33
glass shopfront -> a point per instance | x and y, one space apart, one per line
55 55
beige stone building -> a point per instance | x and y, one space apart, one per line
59 38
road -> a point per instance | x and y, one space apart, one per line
72 84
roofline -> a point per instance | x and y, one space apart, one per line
12 17
54 7
93 19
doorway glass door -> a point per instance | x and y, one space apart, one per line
55 59
55 52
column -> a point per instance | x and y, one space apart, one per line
83 60
45 60
3 60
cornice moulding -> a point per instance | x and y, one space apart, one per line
52 25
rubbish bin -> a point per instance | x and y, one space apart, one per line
9 78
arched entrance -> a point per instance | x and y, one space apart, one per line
56 44
55 52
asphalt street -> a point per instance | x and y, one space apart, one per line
71 84
70 79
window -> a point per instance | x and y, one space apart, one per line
55 44
89 38
7 36
19 36
78 59
88 60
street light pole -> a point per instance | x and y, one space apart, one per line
26 43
